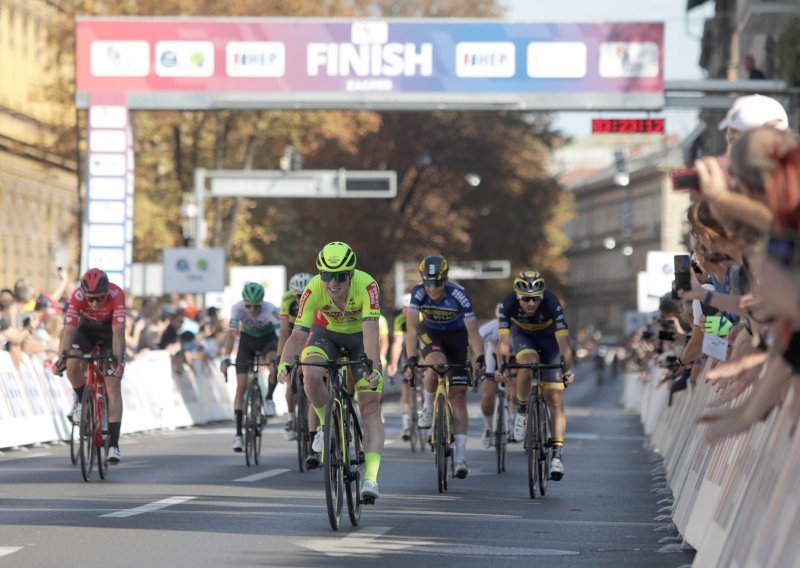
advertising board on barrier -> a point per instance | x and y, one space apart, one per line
189 270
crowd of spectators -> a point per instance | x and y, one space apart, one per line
32 324
741 308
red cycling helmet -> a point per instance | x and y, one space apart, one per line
95 281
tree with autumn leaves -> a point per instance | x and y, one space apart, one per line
514 213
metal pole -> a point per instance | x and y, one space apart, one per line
200 197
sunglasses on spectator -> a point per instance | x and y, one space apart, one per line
96 299
434 283
536 299
337 276
251 306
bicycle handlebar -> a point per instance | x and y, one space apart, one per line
334 364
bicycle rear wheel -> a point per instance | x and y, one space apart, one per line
86 432
355 468
546 453
440 443
333 461
532 447
301 427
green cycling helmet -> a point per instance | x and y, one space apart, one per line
336 257
253 293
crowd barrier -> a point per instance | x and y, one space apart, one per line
737 501
157 395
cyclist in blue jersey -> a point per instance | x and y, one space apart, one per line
259 321
532 318
447 332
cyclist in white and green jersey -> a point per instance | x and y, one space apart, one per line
339 308
258 321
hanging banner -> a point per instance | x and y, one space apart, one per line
203 63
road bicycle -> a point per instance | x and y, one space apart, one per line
343 452
254 418
441 438
303 436
538 432
93 440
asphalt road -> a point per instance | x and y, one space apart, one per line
182 498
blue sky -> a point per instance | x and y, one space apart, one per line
681 43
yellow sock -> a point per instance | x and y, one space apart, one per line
373 462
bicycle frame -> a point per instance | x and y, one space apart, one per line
441 437
254 418
500 424
538 449
340 467
94 440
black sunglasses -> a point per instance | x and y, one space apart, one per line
529 298
338 276
435 283
251 306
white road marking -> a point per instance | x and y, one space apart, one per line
155 506
364 541
262 475
6 550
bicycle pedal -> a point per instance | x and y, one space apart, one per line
360 459
368 500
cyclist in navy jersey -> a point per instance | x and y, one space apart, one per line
532 318
447 332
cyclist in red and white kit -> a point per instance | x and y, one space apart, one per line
96 314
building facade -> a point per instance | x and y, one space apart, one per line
614 228
39 227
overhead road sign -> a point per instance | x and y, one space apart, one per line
303 183
267 63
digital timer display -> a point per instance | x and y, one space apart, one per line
628 126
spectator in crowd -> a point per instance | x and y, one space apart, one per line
7 312
753 72
765 197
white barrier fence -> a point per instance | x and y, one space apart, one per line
34 403
736 502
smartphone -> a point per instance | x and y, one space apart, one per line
682 279
685 179
784 248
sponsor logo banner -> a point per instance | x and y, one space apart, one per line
485 59
255 59
374 296
557 60
120 58
184 58
629 59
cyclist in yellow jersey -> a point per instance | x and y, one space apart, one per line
340 307
290 305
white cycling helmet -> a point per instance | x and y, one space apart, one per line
299 281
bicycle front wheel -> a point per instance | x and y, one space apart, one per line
249 427
101 438
86 432
74 441
355 468
546 453
500 434
332 456
412 420
440 443
301 428
532 447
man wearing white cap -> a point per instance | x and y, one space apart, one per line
750 112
